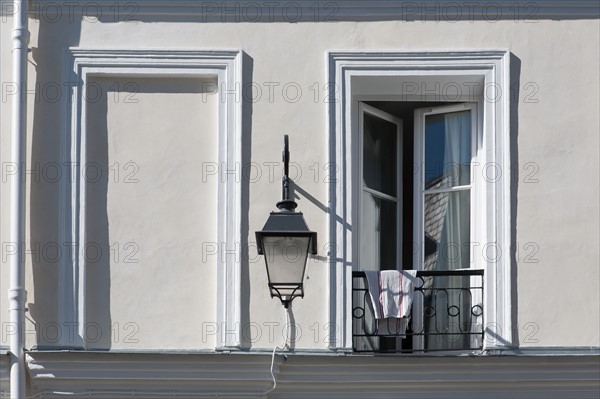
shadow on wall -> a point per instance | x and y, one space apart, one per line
247 73
515 84
45 184
97 248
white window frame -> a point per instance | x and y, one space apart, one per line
365 108
476 190
81 64
475 187
492 67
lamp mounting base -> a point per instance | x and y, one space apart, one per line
287 205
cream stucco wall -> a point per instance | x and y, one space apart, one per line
557 218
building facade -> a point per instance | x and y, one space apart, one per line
457 139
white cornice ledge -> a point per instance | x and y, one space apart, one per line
310 10
303 377
169 373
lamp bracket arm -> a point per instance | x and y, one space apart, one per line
285 183
286 204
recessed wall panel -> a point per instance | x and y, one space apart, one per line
150 213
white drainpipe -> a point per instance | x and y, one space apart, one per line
16 293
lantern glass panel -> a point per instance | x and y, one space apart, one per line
286 259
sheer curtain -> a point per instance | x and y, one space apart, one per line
452 211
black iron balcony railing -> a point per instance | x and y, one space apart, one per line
447 315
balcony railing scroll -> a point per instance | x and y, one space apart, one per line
447 315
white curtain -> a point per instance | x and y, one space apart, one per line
452 246
457 159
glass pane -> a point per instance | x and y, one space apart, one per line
447 150
380 144
286 258
447 230
378 233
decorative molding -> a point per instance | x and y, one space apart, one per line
492 67
311 11
80 64
313 376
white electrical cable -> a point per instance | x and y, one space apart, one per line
287 334
178 394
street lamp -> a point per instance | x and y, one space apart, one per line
286 241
